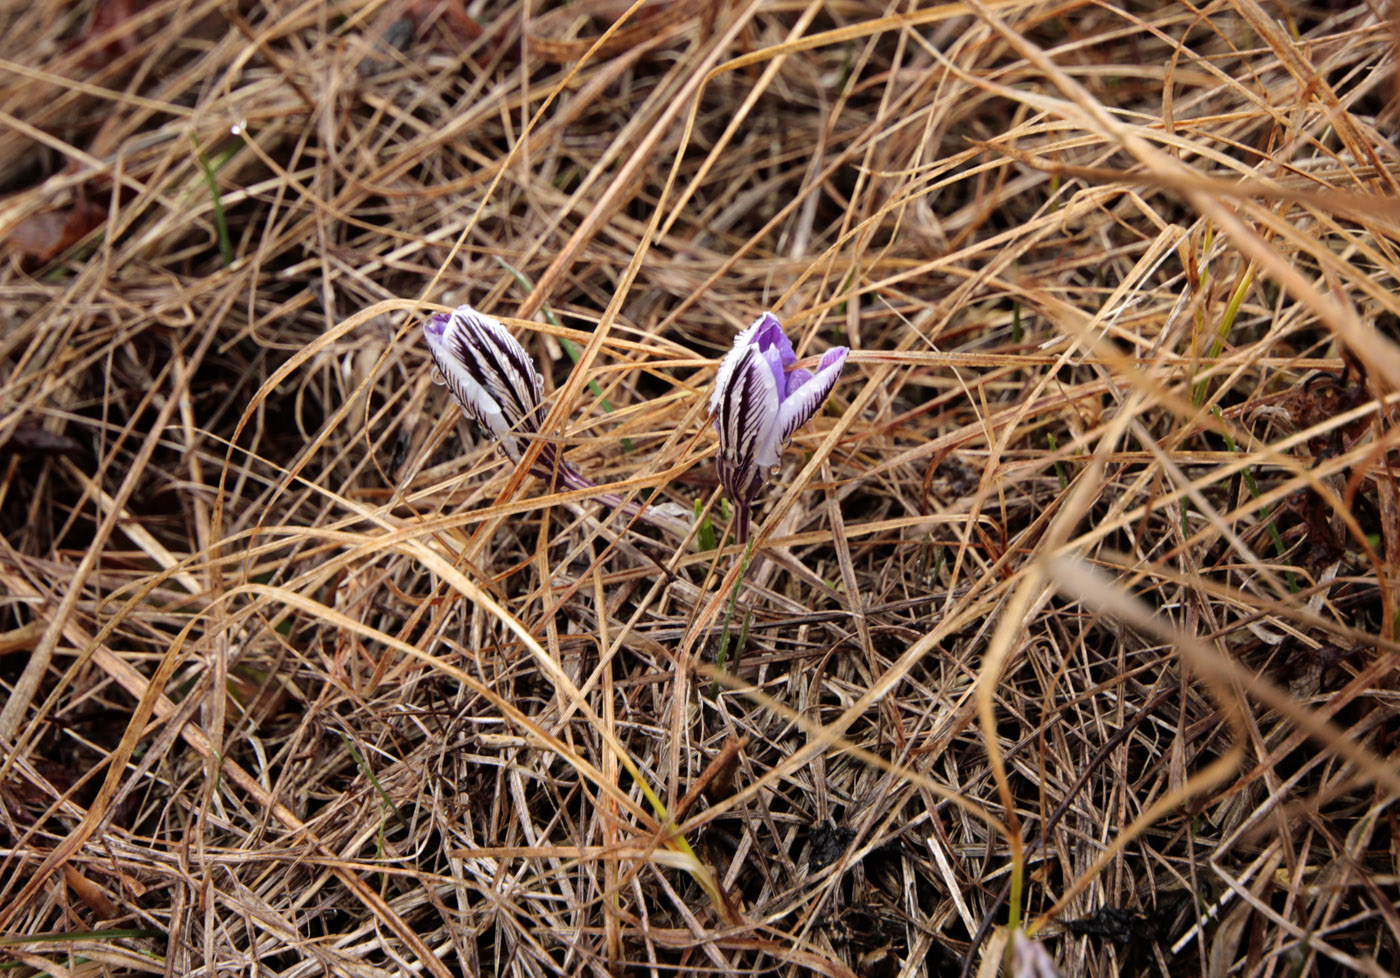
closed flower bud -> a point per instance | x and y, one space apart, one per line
494 380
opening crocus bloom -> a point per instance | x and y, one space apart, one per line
492 378
759 402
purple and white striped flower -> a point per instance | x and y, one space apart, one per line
494 380
759 402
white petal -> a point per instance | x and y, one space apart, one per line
489 373
742 342
804 402
480 406
746 415
509 371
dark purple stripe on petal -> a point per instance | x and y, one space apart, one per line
804 402
489 374
501 366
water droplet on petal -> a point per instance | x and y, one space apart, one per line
437 377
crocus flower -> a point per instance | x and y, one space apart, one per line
494 380
758 403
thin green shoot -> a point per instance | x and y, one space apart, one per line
220 221
705 530
848 61
1227 322
722 656
369 773
922 558
843 289
743 642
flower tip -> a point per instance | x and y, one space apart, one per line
436 325
767 334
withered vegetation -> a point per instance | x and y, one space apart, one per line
1074 610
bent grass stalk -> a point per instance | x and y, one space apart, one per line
564 341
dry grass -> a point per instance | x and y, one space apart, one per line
1075 609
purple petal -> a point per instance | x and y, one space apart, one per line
804 401
764 334
774 360
796 379
768 334
767 330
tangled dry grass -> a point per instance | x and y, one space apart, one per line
1074 614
